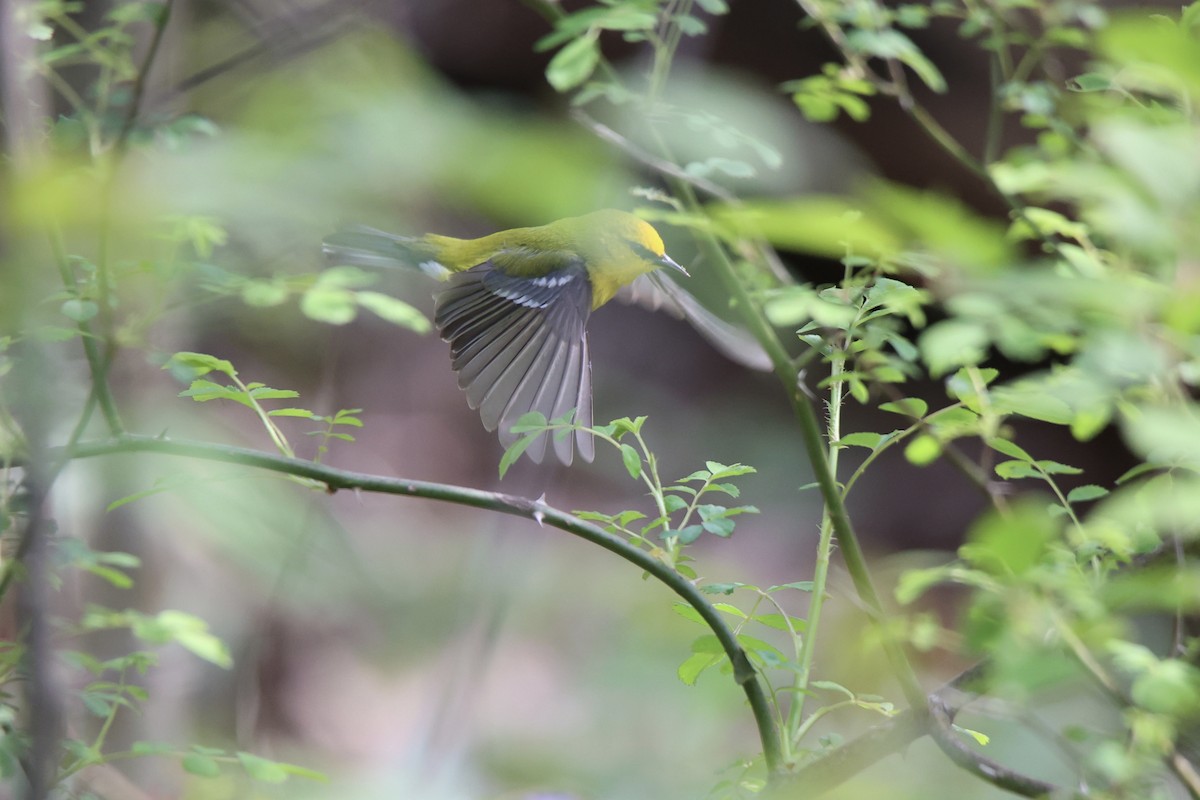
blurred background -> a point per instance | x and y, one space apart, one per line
415 649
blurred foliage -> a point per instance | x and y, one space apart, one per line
141 218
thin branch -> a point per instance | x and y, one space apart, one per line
810 429
335 479
96 362
766 254
660 165
941 728
139 83
815 449
308 21
850 759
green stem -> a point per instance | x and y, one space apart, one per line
334 479
664 50
796 725
100 388
814 447
139 84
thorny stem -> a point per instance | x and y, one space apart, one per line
335 479
796 725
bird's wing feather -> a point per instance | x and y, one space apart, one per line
657 292
518 345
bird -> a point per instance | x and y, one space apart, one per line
514 307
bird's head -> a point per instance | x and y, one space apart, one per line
619 232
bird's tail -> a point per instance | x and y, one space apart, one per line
367 247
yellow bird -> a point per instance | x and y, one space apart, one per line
514 307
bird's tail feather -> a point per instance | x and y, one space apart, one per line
367 247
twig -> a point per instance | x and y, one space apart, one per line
306 20
335 479
139 83
96 361
851 758
941 728
766 254
661 165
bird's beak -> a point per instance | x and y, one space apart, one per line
667 261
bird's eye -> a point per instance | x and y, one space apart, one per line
643 251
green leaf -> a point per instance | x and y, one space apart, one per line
765 650
1015 470
200 364
831 686
1032 402
803 586
721 588
953 343
730 609
329 304
187 630
79 310
828 226
345 277
1170 687
626 425
262 769
259 392
862 439
632 461
1090 491
292 412
908 406
514 452
1010 449
687 612
129 12
891 43
695 664
203 391
1165 436
165 486
201 765
394 311
915 582
114 577
1055 468
264 294
574 63
719 470
923 450
981 738
1137 39
816 107
719 527
780 622
1013 543
531 422
674 502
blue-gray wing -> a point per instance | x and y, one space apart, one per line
657 292
519 345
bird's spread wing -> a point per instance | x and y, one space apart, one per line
518 345
655 291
